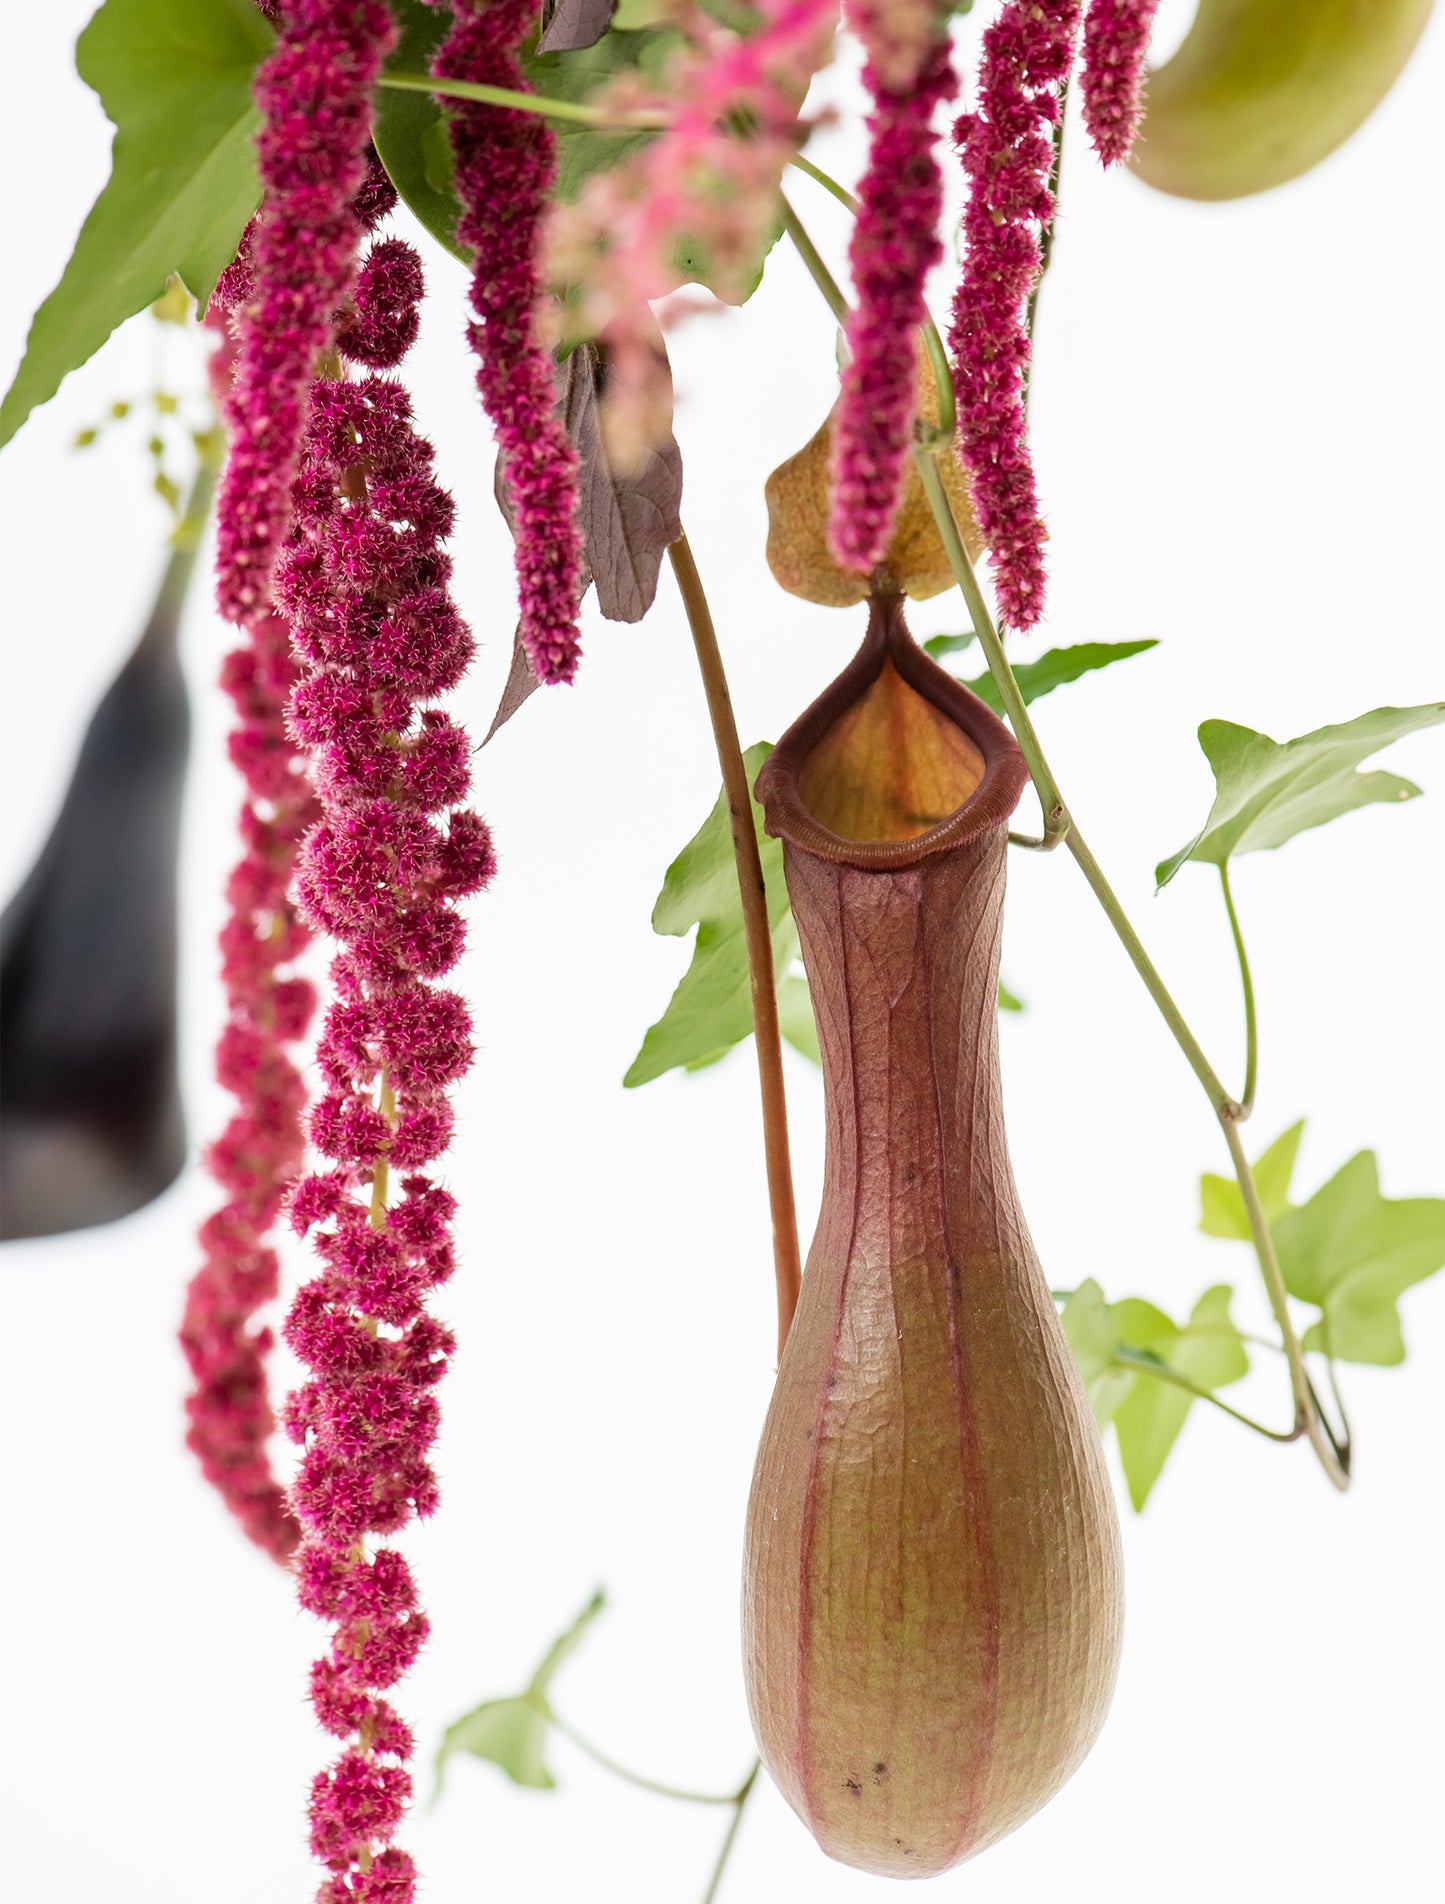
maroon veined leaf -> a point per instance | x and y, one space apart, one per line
629 517
568 25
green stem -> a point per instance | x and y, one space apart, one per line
1160 1372
932 341
825 179
599 1757
1251 1031
569 109
753 897
1333 1458
812 259
740 1800
1056 818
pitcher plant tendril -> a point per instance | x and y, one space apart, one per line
894 246
1007 153
314 92
505 165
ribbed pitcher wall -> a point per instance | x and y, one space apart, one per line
933 1592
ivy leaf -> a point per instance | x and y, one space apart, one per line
1266 791
1221 1207
1093 1335
1352 1252
712 1008
176 83
1052 670
795 1015
513 1732
1207 1350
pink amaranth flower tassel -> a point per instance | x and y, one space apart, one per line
1116 38
364 582
260 1151
895 244
505 164
314 90
1007 152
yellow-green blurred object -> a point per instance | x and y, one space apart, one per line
1261 90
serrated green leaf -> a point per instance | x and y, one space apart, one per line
1207 1350
1352 1253
795 1016
1266 791
1052 670
712 1009
1221 1207
1093 1335
176 83
512 1733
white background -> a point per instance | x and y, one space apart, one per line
1238 412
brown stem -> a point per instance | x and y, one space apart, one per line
787 1262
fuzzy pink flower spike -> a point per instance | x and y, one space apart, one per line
1007 151
1116 39
505 164
364 581
314 90
895 245
260 1151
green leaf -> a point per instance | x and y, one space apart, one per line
1352 1252
410 133
712 1008
1053 670
1221 1207
583 150
1207 1350
940 645
795 1015
1093 1335
1266 791
176 82
512 1732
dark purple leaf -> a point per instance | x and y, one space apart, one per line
522 684
627 520
568 25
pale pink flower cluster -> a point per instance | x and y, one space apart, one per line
709 181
